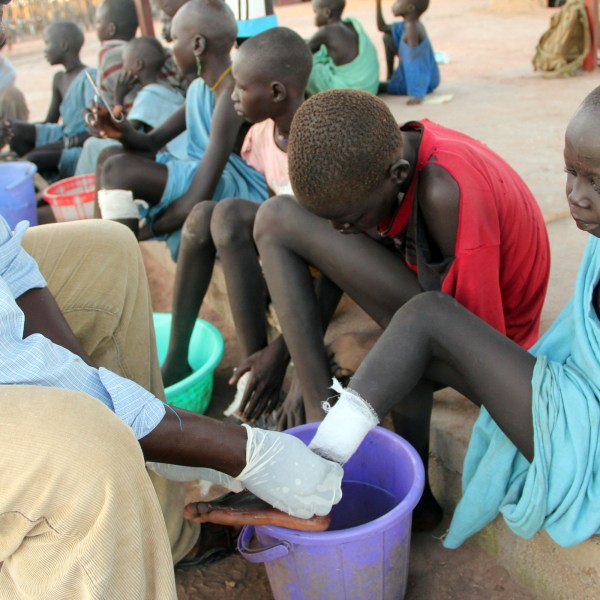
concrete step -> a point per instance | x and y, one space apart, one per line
539 564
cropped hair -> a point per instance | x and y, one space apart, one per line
341 145
335 6
150 50
217 19
124 15
591 101
421 6
282 55
70 31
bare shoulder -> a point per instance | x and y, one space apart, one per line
438 197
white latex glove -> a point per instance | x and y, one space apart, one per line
282 471
181 473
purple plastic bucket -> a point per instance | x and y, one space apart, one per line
17 194
382 484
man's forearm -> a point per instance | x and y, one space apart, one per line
189 439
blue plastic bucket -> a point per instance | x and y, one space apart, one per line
364 554
17 194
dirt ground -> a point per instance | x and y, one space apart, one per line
498 99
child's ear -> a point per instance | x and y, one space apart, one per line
399 171
278 91
139 65
199 45
111 30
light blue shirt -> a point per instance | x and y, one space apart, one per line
36 360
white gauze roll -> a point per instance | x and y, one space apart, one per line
345 426
117 204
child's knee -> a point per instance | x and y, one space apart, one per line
196 228
275 218
229 224
427 307
117 171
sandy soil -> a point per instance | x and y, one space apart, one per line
498 99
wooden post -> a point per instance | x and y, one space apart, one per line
144 13
591 60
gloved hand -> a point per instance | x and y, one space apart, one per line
281 470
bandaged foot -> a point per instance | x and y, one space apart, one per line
117 205
345 426
246 509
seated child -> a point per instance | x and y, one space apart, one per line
534 454
214 169
343 54
55 147
418 73
143 59
270 72
441 211
116 24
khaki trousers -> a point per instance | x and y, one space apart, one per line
79 517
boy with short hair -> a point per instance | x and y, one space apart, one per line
55 147
440 211
270 72
343 54
418 73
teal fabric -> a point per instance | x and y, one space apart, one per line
238 180
360 74
78 97
559 492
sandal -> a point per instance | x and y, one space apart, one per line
214 543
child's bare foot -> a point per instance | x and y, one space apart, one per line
428 513
348 350
414 100
173 373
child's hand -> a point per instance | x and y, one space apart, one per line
267 370
291 412
125 83
99 119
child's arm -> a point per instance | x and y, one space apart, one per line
54 108
319 39
131 139
223 134
381 24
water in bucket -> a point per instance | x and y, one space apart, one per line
365 552
17 194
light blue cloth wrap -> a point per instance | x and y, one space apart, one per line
559 491
418 73
238 180
153 104
78 97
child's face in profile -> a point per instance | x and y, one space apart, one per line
102 23
52 48
251 94
183 45
582 165
321 11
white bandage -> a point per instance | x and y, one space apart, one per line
345 426
117 204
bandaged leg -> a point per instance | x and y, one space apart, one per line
117 205
345 426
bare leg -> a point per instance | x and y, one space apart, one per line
436 338
143 176
45 157
289 238
194 271
231 229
